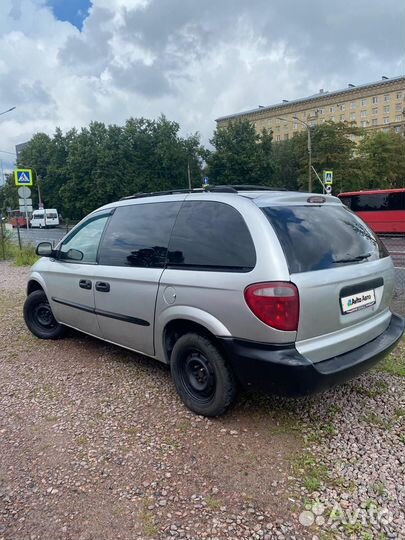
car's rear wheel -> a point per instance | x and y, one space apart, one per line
201 375
39 318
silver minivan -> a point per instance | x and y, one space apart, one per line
288 292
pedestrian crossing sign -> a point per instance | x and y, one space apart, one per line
328 178
23 177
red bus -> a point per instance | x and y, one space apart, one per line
382 209
16 217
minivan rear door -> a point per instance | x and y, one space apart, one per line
131 261
343 273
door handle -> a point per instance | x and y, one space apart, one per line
102 286
85 284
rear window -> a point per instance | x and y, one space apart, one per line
321 237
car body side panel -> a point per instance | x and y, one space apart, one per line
132 296
70 304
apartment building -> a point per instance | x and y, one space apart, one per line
377 105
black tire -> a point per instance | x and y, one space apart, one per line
202 378
39 318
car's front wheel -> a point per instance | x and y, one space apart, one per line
201 375
39 318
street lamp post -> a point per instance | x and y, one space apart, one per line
7 111
308 128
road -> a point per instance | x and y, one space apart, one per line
35 236
396 247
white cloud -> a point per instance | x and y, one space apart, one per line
193 61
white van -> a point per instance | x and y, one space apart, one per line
44 218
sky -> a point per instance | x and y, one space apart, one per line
67 62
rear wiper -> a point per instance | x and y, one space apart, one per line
353 259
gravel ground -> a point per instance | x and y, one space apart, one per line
95 444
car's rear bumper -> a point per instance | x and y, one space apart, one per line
283 370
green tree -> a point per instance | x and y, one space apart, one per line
288 162
383 155
81 170
36 155
333 147
240 155
8 195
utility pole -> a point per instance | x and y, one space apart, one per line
309 159
308 128
189 175
39 192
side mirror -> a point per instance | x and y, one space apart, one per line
45 249
74 255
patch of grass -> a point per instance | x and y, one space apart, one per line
344 484
48 391
317 435
213 503
379 488
81 440
399 413
334 409
149 528
374 419
379 388
329 430
354 529
131 430
395 362
171 443
183 426
311 472
25 256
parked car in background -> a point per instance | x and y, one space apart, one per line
45 218
382 209
288 292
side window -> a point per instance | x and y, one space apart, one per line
84 240
371 203
211 236
138 235
375 202
396 201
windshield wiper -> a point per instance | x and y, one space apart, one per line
353 259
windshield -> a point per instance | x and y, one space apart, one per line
320 237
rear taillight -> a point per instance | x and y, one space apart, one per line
276 304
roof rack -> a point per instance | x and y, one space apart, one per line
233 188
155 193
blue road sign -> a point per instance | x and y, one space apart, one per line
23 177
